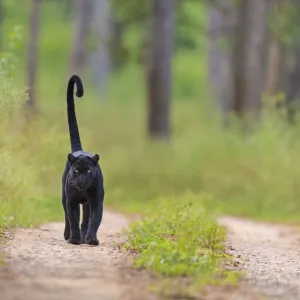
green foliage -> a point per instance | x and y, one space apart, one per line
189 23
11 184
176 240
9 58
284 22
179 238
131 12
11 97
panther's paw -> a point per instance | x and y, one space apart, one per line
92 240
66 235
74 241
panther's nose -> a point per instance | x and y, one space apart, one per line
83 185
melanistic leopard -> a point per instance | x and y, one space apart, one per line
82 181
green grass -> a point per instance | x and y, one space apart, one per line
254 176
179 239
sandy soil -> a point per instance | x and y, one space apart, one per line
40 264
269 254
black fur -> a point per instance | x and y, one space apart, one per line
82 182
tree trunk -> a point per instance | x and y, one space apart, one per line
251 35
32 54
275 57
100 58
275 53
222 24
293 75
83 15
116 45
216 55
293 87
159 69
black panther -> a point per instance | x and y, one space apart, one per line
82 181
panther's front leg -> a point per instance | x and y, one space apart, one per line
95 221
73 211
85 221
67 223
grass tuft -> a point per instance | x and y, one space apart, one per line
181 240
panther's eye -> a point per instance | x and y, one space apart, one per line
89 171
76 171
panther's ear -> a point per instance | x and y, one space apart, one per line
71 158
95 158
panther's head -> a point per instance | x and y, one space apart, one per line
83 170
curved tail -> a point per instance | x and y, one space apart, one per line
73 127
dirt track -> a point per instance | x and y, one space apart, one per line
41 265
270 255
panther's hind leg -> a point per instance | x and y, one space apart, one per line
85 220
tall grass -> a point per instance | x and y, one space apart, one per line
253 175
13 179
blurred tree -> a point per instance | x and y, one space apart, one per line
100 56
117 48
238 52
276 49
33 54
221 31
293 86
159 69
293 79
83 12
249 54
